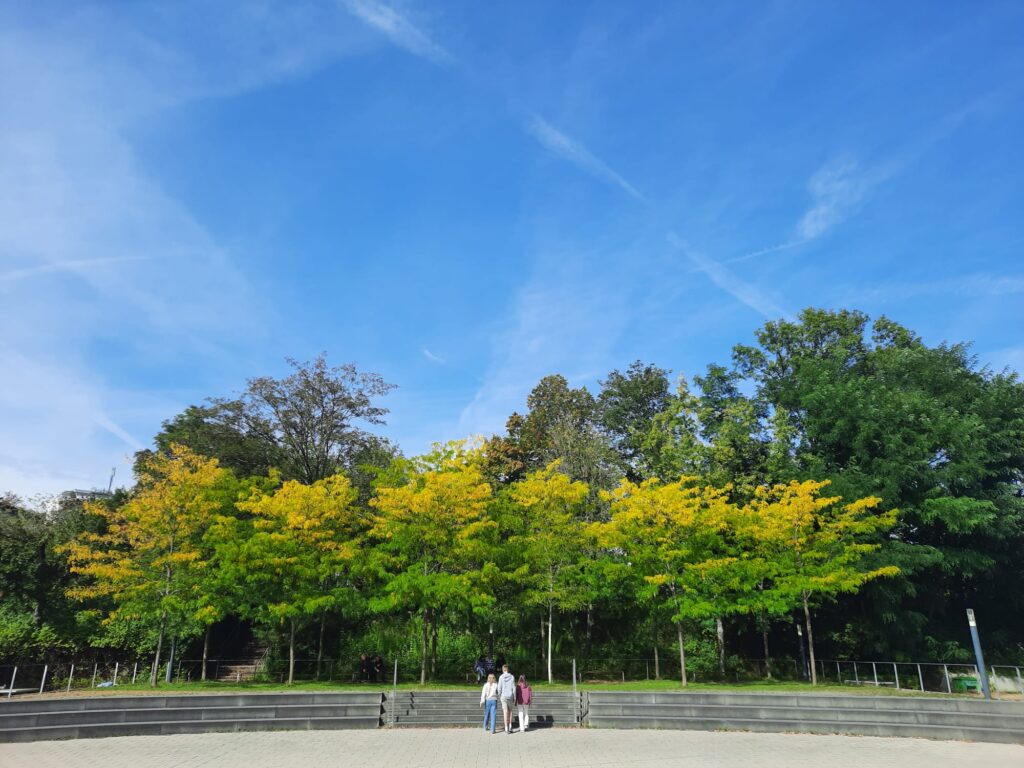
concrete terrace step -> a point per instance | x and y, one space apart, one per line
772 712
937 703
98 730
110 715
940 718
813 726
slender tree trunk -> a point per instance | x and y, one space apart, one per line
590 627
433 645
810 639
291 653
767 653
657 664
320 646
206 650
423 651
682 653
156 659
551 632
720 640
170 660
543 641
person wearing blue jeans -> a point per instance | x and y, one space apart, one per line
489 701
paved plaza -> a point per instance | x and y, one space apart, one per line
470 748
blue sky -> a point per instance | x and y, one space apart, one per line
465 197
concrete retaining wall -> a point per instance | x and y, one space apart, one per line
424 709
937 718
76 718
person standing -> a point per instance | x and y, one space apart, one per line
507 695
524 695
489 701
378 669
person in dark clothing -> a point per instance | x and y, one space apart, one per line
364 668
499 663
480 667
378 669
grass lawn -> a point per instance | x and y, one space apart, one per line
640 685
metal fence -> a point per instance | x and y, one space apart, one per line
69 676
948 678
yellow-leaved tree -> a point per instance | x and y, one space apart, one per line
550 539
813 547
149 557
297 553
434 539
677 536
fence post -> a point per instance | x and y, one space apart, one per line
896 674
135 670
839 675
856 678
1020 682
394 695
575 696
71 676
46 668
647 669
95 669
920 677
945 673
14 676
117 666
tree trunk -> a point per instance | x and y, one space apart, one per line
423 651
206 650
657 664
810 639
767 654
551 632
433 645
543 641
320 646
156 658
720 640
168 675
682 653
291 653
590 627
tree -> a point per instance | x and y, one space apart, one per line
433 538
872 408
815 548
302 541
147 559
305 424
627 405
550 539
675 534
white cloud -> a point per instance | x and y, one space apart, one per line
557 142
398 29
101 270
836 188
566 319
432 357
727 281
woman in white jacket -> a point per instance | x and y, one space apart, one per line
489 701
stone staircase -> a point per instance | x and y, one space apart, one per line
430 709
935 718
77 718
239 670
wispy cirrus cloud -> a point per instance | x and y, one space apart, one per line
568 149
745 293
398 29
836 188
436 359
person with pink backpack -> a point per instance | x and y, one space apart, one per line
524 695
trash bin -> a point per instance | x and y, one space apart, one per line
965 684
